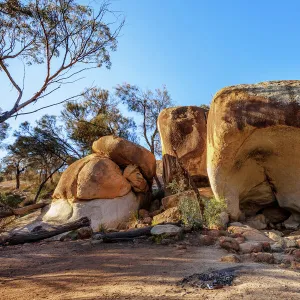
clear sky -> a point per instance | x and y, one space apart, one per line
194 47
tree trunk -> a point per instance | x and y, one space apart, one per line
18 179
34 236
45 180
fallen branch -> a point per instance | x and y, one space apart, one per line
40 234
108 237
20 211
130 234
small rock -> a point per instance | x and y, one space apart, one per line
295 265
97 236
229 243
223 219
263 257
215 232
250 247
290 243
240 239
277 247
84 232
237 224
206 240
266 246
296 253
290 223
274 235
167 230
232 258
170 215
257 222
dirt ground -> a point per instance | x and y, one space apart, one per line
81 270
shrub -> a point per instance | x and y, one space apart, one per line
213 208
177 186
11 199
190 212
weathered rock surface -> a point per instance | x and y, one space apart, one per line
92 177
257 222
170 215
166 230
229 243
136 179
184 128
253 146
125 153
173 200
102 212
101 178
249 233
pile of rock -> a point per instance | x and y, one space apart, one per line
267 247
107 186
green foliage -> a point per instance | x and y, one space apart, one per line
204 106
148 104
213 208
96 115
66 36
177 186
190 212
11 199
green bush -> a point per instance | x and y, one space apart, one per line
177 186
11 199
212 210
190 212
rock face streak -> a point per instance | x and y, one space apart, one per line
253 147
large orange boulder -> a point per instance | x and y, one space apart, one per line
125 153
92 177
184 129
254 147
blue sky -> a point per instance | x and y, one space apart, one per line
194 47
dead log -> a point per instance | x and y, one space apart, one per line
7 212
128 235
41 234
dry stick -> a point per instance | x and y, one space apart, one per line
191 182
21 238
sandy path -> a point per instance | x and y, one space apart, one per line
79 270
